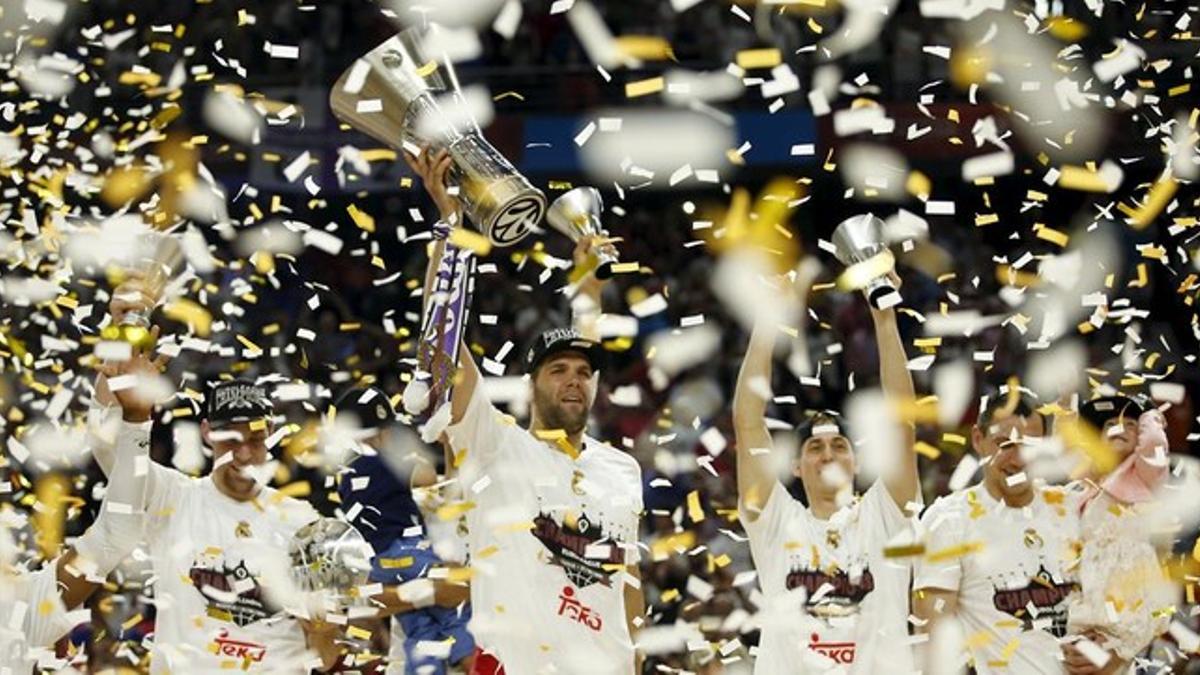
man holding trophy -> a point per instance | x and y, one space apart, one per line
837 603
555 509
556 588
218 540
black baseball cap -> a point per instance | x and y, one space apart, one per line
558 340
821 421
369 405
235 401
1099 410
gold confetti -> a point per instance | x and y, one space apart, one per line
644 47
749 59
1156 200
695 512
1053 236
362 219
644 87
472 241
956 551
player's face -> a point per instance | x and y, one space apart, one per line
1000 445
563 391
826 464
1121 434
237 450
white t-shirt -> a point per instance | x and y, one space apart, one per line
32 618
836 603
549 537
1013 589
211 611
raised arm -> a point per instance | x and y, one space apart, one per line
119 526
903 481
754 476
433 170
129 296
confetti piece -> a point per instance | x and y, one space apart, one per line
695 512
644 87
956 551
1107 179
472 241
1156 200
362 219
750 59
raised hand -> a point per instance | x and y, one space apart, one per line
586 263
137 397
433 171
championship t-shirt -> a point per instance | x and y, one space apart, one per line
32 618
836 603
549 537
212 612
1014 570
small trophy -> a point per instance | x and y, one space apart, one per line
858 244
330 555
390 95
158 258
577 215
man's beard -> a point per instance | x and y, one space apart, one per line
554 416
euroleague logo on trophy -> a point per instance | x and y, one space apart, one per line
516 221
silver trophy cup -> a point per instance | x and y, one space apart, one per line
157 258
858 240
577 215
391 94
330 555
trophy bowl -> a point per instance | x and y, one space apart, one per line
330 555
858 244
157 258
576 214
392 94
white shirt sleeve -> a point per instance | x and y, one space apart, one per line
478 435
944 529
164 487
46 618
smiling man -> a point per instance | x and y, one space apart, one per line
553 534
553 517
210 537
1002 557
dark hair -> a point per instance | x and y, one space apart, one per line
817 418
998 400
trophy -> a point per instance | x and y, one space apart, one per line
158 258
391 95
858 244
330 555
577 215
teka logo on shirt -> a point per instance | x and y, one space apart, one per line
575 610
1046 592
838 652
246 651
568 546
232 594
844 596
